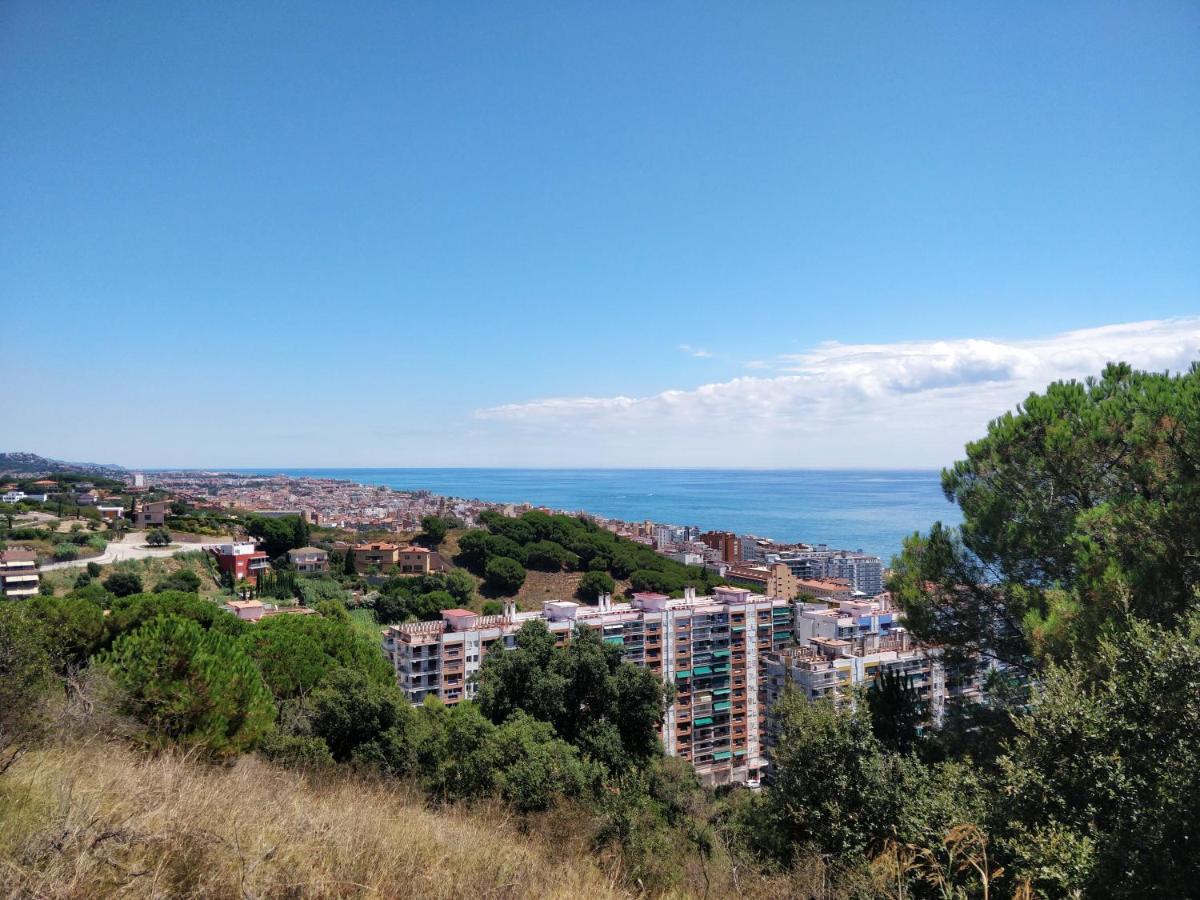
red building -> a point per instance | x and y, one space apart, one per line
728 544
242 560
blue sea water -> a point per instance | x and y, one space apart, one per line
867 509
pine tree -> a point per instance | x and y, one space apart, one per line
896 710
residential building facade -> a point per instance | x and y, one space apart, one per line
111 513
774 580
378 555
241 560
153 514
862 572
414 561
309 559
709 648
728 544
848 644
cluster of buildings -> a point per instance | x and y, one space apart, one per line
384 558
324 501
756 560
729 656
242 560
82 493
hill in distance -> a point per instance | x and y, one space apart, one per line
22 463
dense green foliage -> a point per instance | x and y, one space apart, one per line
25 678
123 584
897 711
184 580
278 534
433 531
504 575
593 584
1080 511
405 598
838 790
1077 567
315 590
608 708
554 543
159 537
296 653
1102 783
191 685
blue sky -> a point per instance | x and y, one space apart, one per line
563 234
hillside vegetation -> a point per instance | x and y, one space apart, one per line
96 820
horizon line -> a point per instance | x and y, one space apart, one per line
541 468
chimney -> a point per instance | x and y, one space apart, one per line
604 602
689 593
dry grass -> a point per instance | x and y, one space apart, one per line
539 587
102 821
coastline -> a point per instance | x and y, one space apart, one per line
859 509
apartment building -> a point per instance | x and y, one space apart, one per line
775 580
862 572
824 590
850 643
242 560
309 559
726 543
709 648
19 576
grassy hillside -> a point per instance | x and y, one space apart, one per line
96 820
540 587
151 570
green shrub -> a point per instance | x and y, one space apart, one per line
504 575
123 584
191 686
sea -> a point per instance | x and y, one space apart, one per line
871 510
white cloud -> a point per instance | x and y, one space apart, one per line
901 404
698 352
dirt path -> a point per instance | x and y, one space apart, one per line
133 546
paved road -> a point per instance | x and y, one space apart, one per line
134 547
